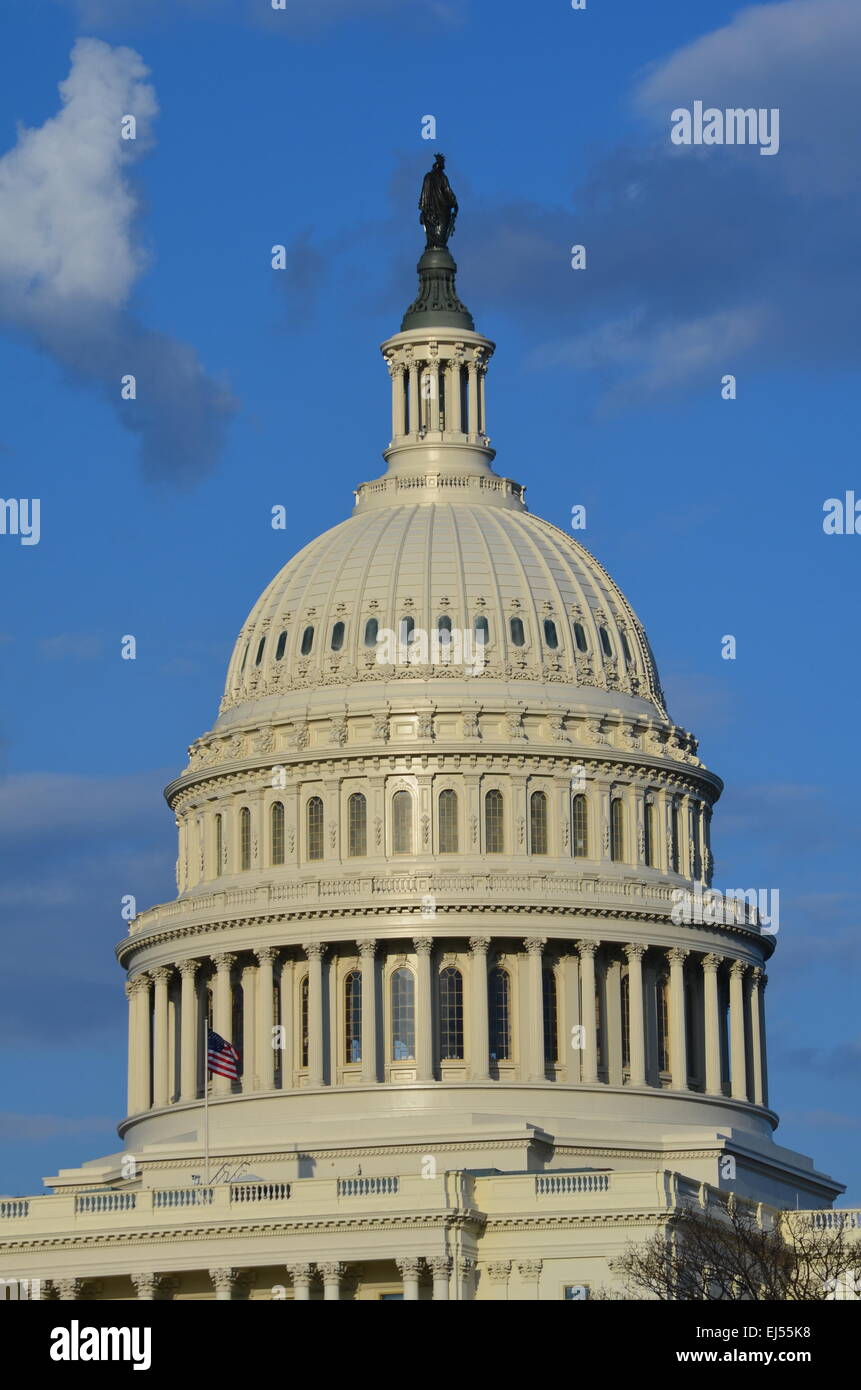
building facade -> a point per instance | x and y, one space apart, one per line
433 859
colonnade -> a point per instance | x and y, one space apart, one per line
582 1012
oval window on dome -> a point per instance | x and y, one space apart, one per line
518 636
259 657
482 632
282 643
580 638
626 650
371 630
550 636
605 641
307 640
244 657
337 637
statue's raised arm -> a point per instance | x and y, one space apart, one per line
437 205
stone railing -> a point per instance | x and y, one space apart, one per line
367 1187
12 1207
847 1218
259 1191
105 1202
182 1197
559 1184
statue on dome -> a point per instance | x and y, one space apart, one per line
437 206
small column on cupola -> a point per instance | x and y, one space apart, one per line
437 362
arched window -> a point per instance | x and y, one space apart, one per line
626 650
282 643
443 627
259 657
314 824
500 1015
447 812
580 637
538 823
371 629
481 628
662 1001
626 1020
606 644
353 1017
674 837
551 1015
403 1015
550 636
245 838
579 828
494 837
307 641
276 828
518 636
303 1019
337 639
402 823
617 829
407 631
450 1014
649 834
219 843
357 826
244 657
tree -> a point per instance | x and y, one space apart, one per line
729 1250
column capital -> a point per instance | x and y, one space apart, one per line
224 1279
587 948
314 950
711 963
332 1271
137 984
479 945
677 955
224 960
410 1267
535 944
439 1265
188 968
738 968
635 950
68 1289
299 1272
530 1269
423 945
757 976
499 1271
162 974
367 946
266 955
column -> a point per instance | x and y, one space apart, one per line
160 1081
301 1276
189 1031
137 991
570 1039
711 1012
315 951
738 1065
286 985
248 1048
613 1029
440 1268
636 1015
756 1034
423 946
678 1036
482 399
69 1290
224 1281
535 1009
479 1030
414 397
265 1068
222 1013
145 1286
410 1270
472 371
589 1055
333 1272
763 1049
433 369
453 422
398 403
368 951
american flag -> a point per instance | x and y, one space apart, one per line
222 1057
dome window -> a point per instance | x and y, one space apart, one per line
626 650
307 640
443 627
337 641
606 645
282 643
244 657
550 636
406 631
518 636
259 657
371 630
580 638
482 632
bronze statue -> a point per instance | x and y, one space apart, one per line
437 206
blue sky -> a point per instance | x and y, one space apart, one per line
304 128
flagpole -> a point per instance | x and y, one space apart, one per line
206 1124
